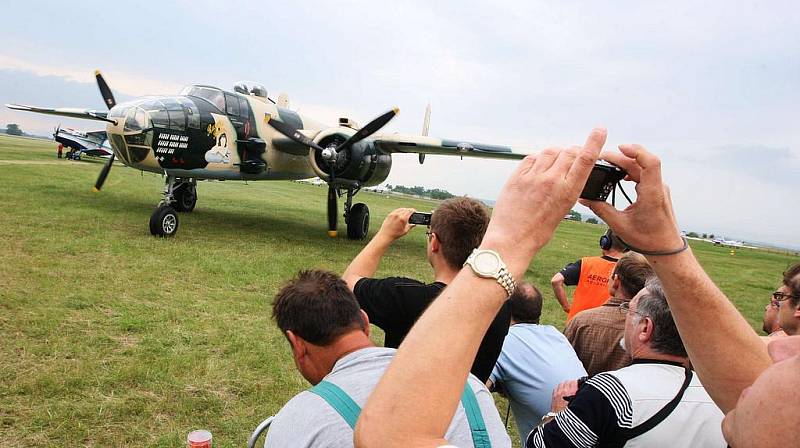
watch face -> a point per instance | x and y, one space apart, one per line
487 263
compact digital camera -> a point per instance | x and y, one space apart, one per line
420 218
604 177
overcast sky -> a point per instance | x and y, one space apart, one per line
712 88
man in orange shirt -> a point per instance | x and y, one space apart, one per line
591 276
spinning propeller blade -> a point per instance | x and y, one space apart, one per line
332 210
369 129
101 179
108 97
291 133
105 91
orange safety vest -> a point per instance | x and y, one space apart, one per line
592 289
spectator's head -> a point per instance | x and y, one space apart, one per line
630 273
649 328
611 244
526 304
773 395
457 227
789 301
321 318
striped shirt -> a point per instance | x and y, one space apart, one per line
613 401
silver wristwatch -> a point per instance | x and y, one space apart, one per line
487 264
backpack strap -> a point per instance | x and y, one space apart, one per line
480 436
349 410
626 434
339 401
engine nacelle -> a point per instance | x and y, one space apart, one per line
362 162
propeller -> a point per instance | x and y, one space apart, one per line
108 98
331 154
55 133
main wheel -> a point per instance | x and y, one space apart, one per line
164 221
358 221
185 197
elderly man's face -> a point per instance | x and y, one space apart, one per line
633 322
768 412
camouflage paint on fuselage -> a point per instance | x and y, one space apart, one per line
190 136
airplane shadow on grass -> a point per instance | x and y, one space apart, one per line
259 219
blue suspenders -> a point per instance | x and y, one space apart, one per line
349 410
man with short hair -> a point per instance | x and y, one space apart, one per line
534 360
329 337
395 303
595 333
656 401
590 276
788 300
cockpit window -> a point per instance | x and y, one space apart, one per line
192 112
136 120
209 94
233 105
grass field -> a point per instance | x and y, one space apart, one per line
111 337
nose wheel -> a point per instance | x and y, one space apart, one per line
180 195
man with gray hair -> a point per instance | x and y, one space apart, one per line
656 401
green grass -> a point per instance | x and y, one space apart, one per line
114 338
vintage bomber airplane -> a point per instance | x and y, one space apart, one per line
207 133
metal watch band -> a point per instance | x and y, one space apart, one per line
506 280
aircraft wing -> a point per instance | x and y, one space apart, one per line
65 112
419 144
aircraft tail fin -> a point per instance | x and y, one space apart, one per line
427 123
283 100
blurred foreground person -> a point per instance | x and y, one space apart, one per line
655 402
595 333
535 359
411 404
395 303
329 338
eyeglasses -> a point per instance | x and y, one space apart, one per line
625 307
780 296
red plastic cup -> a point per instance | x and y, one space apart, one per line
199 439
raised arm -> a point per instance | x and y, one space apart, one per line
557 282
415 400
725 351
367 261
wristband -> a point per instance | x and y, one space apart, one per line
655 253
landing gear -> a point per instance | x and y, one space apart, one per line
164 221
180 195
356 217
185 196
358 222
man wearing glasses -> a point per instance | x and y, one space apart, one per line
656 401
788 302
395 303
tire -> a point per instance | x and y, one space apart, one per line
185 198
164 221
358 222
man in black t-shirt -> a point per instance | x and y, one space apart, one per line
395 303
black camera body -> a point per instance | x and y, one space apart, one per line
420 218
602 180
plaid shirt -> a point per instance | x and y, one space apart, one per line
595 335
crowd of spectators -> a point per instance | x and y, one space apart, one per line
653 353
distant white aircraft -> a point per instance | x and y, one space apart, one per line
93 143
